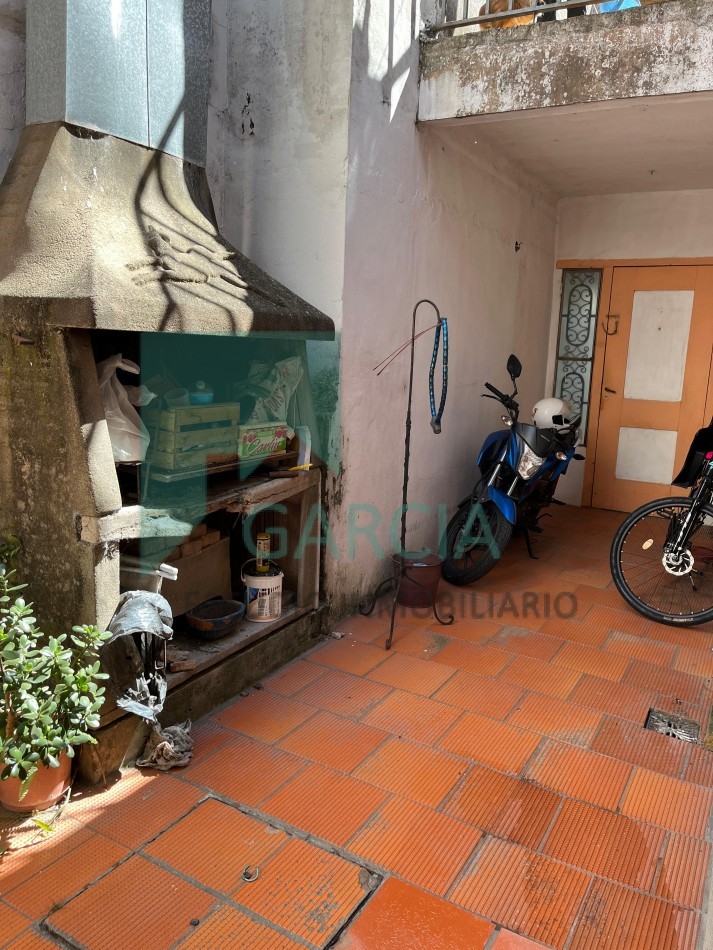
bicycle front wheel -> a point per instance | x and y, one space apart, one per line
667 589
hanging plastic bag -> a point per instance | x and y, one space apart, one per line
129 436
273 386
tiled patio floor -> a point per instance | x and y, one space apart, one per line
487 784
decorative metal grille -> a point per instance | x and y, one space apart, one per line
575 344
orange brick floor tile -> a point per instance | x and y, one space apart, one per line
334 741
224 771
196 846
325 803
418 844
523 891
578 656
207 735
413 717
557 719
668 802
649 676
474 693
137 808
625 620
504 806
403 917
484 660
230 928
412 674
305 890
700 767
419 643
349 656
507 940
31 940
413 770
490 742
542 677
606 844
682 874
625 740
294 677
617 699
616 917
27 851
699 662
488 784
138 898
55 884
12 922
580 774
264 715
575 630
526 642
468 628
641 648
343 693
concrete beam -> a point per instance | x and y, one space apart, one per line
659 50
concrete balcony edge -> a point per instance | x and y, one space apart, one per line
658 50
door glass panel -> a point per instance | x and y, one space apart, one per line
575 342
656 363
646 455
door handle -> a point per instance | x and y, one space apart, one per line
607 390
605 326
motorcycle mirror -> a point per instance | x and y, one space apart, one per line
514 366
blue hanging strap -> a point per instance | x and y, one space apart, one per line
437 416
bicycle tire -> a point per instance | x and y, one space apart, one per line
623 585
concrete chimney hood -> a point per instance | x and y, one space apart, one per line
105 210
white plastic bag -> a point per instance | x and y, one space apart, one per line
129 436
273 387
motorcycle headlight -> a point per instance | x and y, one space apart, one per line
529 463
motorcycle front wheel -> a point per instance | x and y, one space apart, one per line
474 540
675 592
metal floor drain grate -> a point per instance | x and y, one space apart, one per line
676 726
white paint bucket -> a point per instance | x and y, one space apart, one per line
263 593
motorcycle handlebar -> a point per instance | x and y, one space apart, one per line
507 401
501 396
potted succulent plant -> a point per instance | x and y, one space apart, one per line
51 700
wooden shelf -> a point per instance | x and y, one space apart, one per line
208 653
239 497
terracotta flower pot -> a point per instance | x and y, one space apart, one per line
47 787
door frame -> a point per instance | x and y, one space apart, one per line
607 269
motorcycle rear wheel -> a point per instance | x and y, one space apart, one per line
474 540
637 556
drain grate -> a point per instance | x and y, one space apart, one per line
678 727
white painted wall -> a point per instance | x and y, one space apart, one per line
278 138
340 195
12 78
642 225
645 225
425 219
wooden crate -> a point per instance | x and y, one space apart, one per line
192 436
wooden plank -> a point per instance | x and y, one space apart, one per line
192 460
215 435
173 420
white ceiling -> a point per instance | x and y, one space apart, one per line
652 144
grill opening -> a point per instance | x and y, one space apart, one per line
678 727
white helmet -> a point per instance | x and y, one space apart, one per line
554 413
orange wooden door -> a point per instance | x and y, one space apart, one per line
657 368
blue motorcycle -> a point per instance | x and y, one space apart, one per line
519 469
